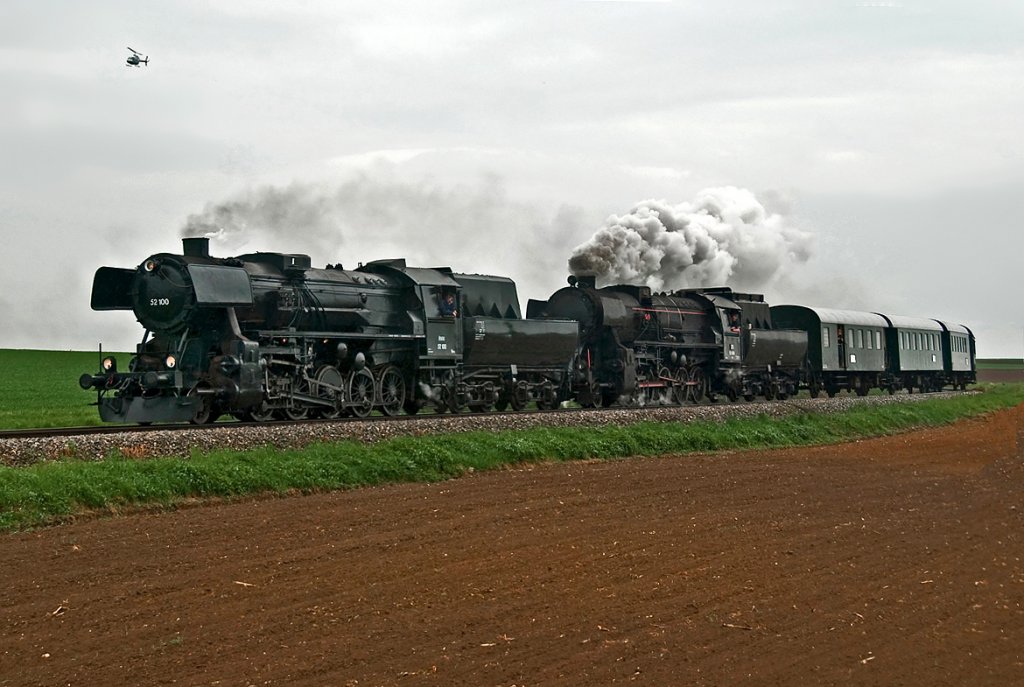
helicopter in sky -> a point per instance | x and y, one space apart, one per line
135 59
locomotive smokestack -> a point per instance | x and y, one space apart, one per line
198 247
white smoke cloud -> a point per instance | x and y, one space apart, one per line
725 236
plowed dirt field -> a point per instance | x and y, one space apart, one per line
894 561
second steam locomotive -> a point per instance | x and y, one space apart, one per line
264 336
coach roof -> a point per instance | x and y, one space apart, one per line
955 328
855 317
900 322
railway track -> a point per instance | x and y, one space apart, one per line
20 448
495 419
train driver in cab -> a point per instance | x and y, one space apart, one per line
734 322
448 305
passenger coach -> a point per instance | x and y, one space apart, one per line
846 348
958 354
916 360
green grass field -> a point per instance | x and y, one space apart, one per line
40 388
45 493
1000 364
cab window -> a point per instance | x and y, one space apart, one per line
447 302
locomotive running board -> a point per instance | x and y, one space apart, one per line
335 335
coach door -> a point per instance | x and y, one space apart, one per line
841 345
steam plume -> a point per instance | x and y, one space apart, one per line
725 236
369 217
266 209
475 227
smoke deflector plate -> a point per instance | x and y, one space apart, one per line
216 285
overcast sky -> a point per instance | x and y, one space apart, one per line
496 137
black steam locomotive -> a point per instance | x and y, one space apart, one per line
265 335
678 347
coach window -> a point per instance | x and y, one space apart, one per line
878 340
868 335
824 337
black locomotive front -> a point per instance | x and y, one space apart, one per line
253 336
636 346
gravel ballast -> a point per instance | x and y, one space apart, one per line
181 443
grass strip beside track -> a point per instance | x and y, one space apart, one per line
46 493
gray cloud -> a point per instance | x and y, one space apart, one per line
579 108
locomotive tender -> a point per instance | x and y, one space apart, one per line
264 336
